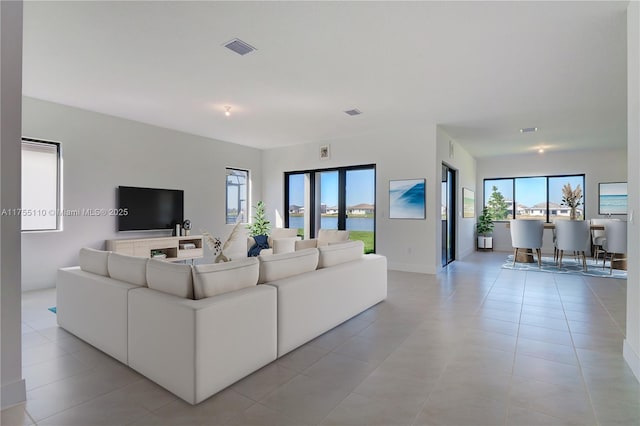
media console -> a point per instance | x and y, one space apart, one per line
173 248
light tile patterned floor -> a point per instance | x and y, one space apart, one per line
474 345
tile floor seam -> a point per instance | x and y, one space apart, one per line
623 332
89 400
573 345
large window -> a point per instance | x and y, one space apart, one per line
534 197
237 195
338 198
41 176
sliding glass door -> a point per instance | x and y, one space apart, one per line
340 198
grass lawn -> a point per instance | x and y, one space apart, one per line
365 236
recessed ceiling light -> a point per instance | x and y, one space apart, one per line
227 111
541 151
354 111
239 46
528 129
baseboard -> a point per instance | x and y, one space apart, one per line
632 358
13 393
411 267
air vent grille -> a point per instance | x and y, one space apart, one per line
239 46
528 129
353 112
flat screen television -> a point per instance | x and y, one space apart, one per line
149 209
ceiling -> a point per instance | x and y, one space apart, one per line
481 70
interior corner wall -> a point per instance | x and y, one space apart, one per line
407 243
100 153
631 348
608 165
12 384
459 159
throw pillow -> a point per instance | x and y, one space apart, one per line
326 236
277 266
94 261
335 254
218 278
261 243
169 277
284 245
129 269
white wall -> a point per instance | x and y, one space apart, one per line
465 166
598 166
101 152
632 341
408 244
13 385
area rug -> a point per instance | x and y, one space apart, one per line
53 309
569 266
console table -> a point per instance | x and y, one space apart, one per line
172 247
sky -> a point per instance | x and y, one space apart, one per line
531 191
360 188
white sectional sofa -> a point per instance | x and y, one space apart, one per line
142 312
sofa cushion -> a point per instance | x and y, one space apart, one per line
277 266
284 245
169 277
337 253
326 236
94 261
217 278
130 269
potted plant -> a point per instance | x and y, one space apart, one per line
484 227
259 230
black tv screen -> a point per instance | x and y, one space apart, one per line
145 209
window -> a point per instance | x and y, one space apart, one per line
41 176
338 198
237 195
533 197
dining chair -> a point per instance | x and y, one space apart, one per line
598 236
573 236
526 234
615 242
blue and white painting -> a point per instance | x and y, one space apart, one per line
406 199
613 198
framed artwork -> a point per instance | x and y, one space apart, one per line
407 199
468 203
612 198
325 152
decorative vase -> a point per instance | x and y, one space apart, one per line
572 214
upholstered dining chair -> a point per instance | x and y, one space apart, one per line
526 234
573 236
615 241
598 237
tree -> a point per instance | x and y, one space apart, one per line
497 205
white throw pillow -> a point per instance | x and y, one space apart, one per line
94 261
326 236
335 254
169 277
277 266
217 278
130 269
306 244
277 233
284 245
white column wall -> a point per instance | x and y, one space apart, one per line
13 385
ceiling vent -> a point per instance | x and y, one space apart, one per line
239 46
353 112
528 129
